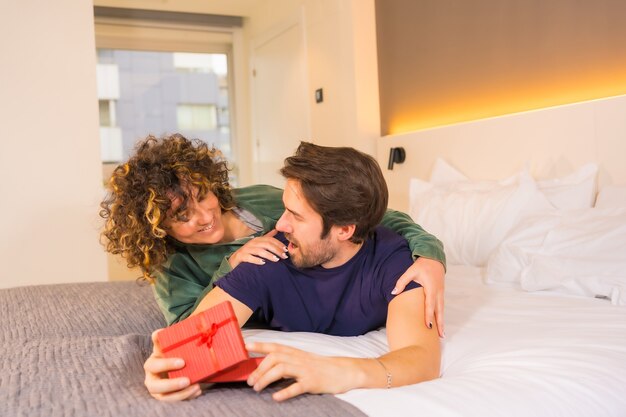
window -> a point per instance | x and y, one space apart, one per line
202 63
105 107
161 73
196 117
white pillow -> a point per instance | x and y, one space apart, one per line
523 241
611 196
578 252
472 218
574 191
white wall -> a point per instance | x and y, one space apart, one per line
49 158
340 39
219 7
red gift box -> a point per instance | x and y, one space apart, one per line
209 342
239 372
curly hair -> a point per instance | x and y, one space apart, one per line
140 194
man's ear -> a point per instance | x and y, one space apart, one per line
344 233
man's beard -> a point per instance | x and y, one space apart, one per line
318 254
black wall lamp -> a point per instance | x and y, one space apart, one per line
396 156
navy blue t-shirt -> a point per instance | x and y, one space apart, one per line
348 300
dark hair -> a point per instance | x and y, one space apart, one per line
140 194
343 185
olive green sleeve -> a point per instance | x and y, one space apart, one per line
420 242
179 286
176 296
224 269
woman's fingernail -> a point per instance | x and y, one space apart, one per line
275 258
285 249
394 291
184 382
430 324
262 262
179 363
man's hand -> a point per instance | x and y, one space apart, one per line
313 373
258 249
159 386
430 274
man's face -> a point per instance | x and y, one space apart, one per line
302 226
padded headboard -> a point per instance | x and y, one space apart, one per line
552 142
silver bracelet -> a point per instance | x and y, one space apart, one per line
386 372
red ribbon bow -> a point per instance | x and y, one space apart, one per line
207 333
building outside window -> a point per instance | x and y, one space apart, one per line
159 93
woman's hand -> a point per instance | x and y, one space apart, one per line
430 274
161 387
257 250
313 373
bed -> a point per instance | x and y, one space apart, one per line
506 352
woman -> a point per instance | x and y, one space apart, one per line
171 211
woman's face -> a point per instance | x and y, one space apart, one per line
200 222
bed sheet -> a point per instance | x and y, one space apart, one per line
506 352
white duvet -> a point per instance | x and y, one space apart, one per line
506 353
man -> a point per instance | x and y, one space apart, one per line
338 280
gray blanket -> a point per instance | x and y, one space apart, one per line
78 350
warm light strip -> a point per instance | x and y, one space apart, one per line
421 119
